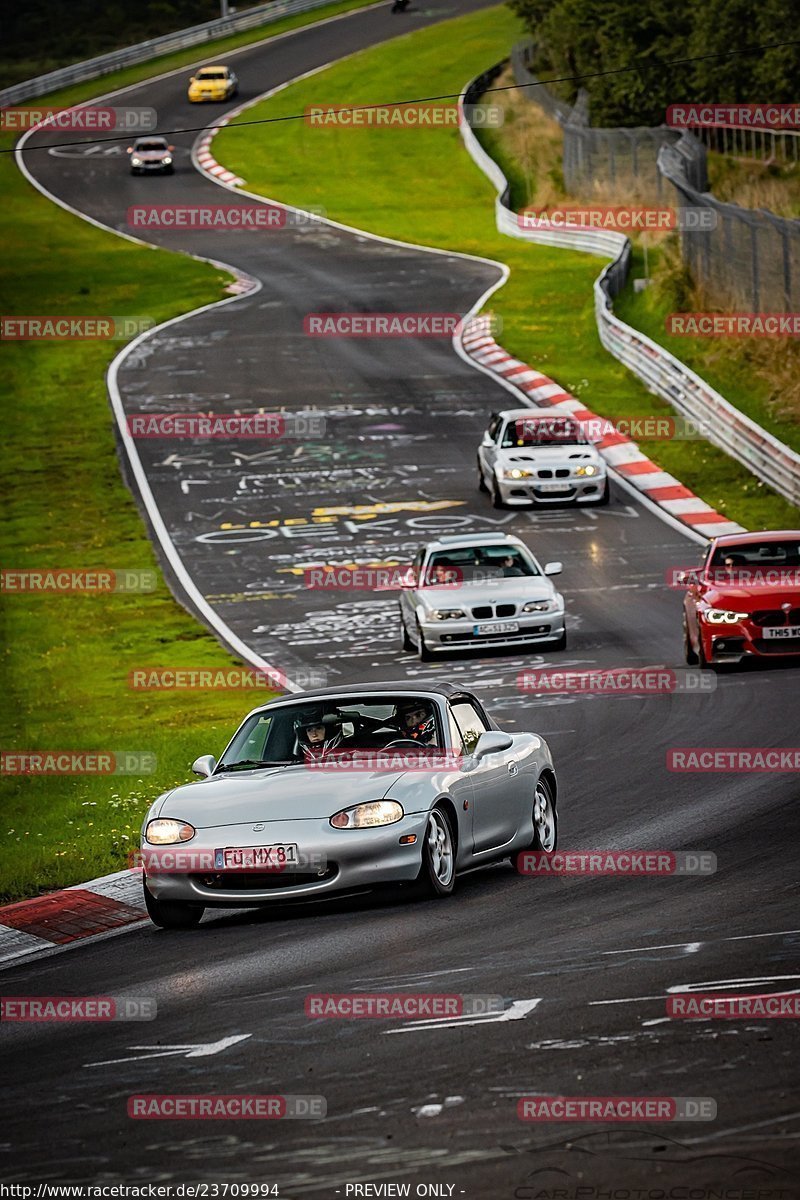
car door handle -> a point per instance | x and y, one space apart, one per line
512 768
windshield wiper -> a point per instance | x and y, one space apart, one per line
252 762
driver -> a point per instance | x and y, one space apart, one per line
510 566
319 733
444 572
416 721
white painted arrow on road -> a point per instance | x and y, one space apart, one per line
189 1050
517 1012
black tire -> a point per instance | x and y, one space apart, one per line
170 170
494 491
423 652
172 914
481 481
701 654
406 640
545 831
437 878
689 654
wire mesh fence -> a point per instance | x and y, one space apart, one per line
741 256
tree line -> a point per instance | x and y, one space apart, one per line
588 37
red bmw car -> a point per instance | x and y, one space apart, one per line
744 599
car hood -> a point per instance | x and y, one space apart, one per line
746 599
549 456
514 590
273 794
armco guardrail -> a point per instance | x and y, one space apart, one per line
196 35
723 424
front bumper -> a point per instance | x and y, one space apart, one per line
531 491
733 643
455 635
344 859
201 97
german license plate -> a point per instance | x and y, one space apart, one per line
554 487
783 631
255 858
496 627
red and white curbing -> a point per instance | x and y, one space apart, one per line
205 161
621 454
55 921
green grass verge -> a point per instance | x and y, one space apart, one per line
421 186
760 377
66 658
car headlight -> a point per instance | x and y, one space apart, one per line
166 831
447 614
540 606
166 160
366 816
136 162
589 469
723 616
516 473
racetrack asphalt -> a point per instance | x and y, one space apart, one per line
434 1105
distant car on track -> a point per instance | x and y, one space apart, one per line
530 457
348 788
480 590
213 83
149 155
744 599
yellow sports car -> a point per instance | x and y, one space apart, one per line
213 83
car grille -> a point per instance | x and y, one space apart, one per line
547 473
775 616
250 881
485 612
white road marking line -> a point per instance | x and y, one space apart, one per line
190 1050
517 1012
740 937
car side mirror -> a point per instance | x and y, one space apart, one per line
204 765
553 568
170 147
129 150
689 578
488 440
493 741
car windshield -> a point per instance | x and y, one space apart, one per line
754 559
296 733
478 564
156 144
207 74
543 431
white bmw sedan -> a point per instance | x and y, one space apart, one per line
478 590
529 457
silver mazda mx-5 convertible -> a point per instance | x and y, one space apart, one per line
347 788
